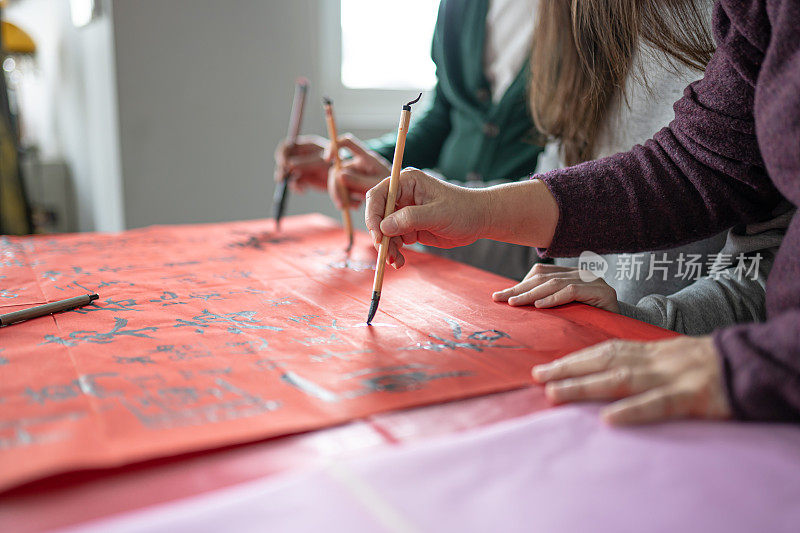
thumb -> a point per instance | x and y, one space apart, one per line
409 219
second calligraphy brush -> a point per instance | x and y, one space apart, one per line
342 191
281 188
47 309
391 199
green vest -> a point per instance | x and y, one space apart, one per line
463 134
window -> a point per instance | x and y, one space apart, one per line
375 54
386 44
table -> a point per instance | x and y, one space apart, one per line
210 337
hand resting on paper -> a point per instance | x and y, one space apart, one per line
360 173
651 381
551 285
437 213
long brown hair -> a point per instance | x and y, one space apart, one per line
583 52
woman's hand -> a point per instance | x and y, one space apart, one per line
430 211
304 162
550 285
653 381
358 174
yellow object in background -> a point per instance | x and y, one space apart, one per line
13 213
15 40
14 210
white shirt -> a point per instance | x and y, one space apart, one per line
509 34
646 110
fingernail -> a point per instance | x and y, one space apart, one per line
373 235
389 226
540 373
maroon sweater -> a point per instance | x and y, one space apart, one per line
729 156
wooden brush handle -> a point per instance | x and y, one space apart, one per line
298 104
333 134
391 198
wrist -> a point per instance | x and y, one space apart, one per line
486 201
523 212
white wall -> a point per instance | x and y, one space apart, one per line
168 111
74 107
205 90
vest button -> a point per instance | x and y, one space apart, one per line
491 130
483 94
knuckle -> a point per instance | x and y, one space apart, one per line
608 354
615 345
622 376
523 297
572 388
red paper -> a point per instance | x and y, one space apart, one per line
211 335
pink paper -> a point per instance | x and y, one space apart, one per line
559 470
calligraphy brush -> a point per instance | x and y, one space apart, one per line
337 165
281 188
391 199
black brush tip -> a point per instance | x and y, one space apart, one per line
349 245
326 100
407 107
373 306
415 100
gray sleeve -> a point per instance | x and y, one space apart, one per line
732 295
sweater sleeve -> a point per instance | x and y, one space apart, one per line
704 173
698 176
762 361
733 294
762 367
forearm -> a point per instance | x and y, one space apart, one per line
519 213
